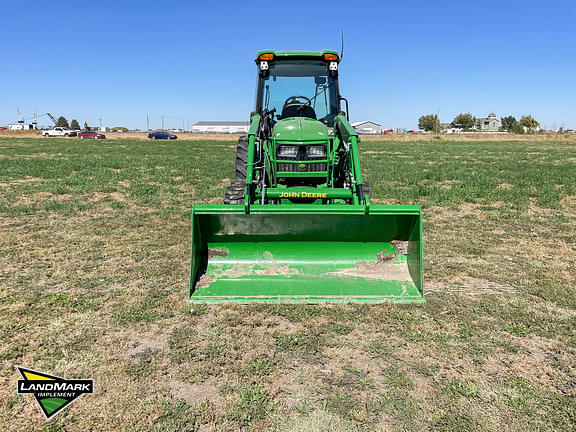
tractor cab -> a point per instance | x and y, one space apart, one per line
298 84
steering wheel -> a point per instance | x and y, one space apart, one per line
293 100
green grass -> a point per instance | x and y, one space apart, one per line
94 250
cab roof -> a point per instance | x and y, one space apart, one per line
298 54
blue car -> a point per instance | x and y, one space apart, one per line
161 135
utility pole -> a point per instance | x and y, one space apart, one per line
100 120
147 122
183 125
162 122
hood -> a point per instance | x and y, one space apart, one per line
300 129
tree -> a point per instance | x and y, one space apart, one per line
62 122
516 128
508 123
529 123
74 125
464 121
429 123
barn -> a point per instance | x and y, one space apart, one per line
367 127
221 127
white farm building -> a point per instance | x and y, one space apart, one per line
221 127
367 127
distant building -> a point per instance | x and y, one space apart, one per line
21 126
488 124
367 127
221 127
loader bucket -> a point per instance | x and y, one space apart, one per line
306 254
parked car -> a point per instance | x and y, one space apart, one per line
162 135
59 132
91 135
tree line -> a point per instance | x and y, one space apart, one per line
62 122
466 121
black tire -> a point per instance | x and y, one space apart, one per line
235 193
366 188
241 158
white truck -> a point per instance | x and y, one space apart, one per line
59 132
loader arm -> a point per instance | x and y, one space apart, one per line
349 137
252 134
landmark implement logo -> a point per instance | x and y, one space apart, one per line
52 393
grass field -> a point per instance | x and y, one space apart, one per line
94 250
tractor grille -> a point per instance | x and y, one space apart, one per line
308 167
300 155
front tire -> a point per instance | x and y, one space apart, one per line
241 158
235 193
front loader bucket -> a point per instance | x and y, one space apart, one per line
306 254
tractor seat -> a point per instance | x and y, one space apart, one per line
297 110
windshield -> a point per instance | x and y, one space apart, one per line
298 89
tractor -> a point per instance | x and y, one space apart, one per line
297 225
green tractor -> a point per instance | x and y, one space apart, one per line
297 225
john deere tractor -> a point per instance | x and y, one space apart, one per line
297 225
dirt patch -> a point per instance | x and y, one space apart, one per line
239 270
204 281
217 252
272 268
505 186
447 184
101 196
568 202
269 267
384 268
537 362
125 183
25 180
469 287
148 346
223 183
401 247
195 393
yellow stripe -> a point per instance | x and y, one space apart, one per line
33 376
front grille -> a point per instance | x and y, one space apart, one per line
303 165
308 167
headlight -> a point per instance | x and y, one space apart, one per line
315 151
287 151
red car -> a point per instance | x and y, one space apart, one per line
91 135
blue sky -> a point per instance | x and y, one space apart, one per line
194 60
